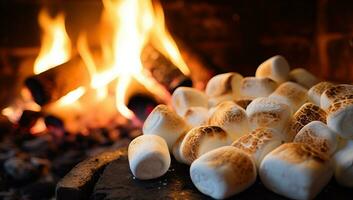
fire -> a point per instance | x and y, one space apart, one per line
72 96
56 45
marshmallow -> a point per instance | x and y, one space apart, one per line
340 118
253 87
334 94
276 68
214 101
291 94
148 157
196 116
303 77
201 140
223 172
315 92
267 112
343 167
243 103
296 171
307 113
319 136
163 122
185 97
259 143
227 84
231 118
176 148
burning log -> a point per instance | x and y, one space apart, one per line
54 83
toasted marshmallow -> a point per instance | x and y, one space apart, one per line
267 112
303 77
200 140
214 101
227 84
196 116
334 94
307 113
296 171
291 94
315 92
319 136
148 157
343 167
253 87
223 172
340 118
231 118
186 97
243 103
276 68
259 143
166 123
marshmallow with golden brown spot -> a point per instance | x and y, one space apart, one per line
223 172
291 94
230 117
149 157
259 143
307 113
196 116
201 140
315 91
164 122
296 171
340 118
319 136
276 68
186 97
334 94
222 85
303 77
253 87
267 112
343 167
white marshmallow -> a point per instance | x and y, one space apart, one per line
149 157
276 68
227 84
164 122
343 167
340 118
307 113
223 172
201 140
186 97
296 171
196 116
253 87
231 118
334 94
291 94
315 92
319 136
267 112
303 77
176 148
259 143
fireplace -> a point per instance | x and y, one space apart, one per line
60 109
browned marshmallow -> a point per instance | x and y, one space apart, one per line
186 97
222 85
315 92
303 77
276 68
334 94
196 116
252 87
340 118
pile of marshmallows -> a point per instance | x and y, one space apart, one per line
286 126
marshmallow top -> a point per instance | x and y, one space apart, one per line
259 143
315 92
334 94
343 167
267 112
340 117
196 116
319 136
253 87
303 77
223 172
231 117
202 139
186 97
166 123
276 68
223 84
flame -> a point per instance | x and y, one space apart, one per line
72 96
56 45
